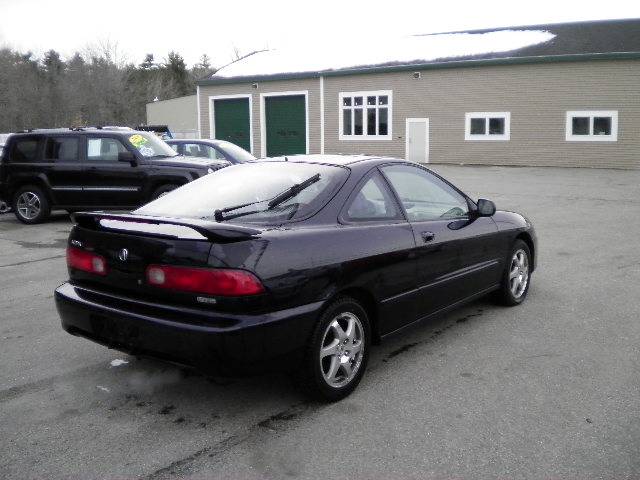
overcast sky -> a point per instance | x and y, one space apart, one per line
194 27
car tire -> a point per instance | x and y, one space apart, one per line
31 205
4 207
163 190
336 357
516 278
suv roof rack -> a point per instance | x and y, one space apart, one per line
42 130
75 129
100 127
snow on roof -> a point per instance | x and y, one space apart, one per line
335 54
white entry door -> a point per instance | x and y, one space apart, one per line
417 140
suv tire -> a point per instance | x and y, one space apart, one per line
31 205
162 190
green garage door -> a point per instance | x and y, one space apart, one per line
286 125
232 121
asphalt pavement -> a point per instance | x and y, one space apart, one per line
549 389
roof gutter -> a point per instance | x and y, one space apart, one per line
483 62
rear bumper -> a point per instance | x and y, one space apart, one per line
210 341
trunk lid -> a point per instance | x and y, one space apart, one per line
130 243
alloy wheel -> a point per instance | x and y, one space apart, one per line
28 205
342 350
519 273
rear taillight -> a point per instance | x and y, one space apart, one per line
211 281
86 261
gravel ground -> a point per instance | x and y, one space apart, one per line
549 389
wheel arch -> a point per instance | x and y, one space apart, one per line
39 182
368 302
526 238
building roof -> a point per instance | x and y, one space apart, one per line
605 39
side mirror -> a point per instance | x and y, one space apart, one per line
127 157
486 208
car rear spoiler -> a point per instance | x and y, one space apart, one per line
165 226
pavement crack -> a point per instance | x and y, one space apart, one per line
276 423
27 262
43 384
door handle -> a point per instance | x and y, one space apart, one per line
428 236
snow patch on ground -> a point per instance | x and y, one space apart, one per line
117 362
338 53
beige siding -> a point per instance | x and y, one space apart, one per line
538 97
312 85
178 113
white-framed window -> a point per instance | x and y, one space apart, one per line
365 115
487 126
592 126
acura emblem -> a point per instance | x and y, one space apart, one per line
123 255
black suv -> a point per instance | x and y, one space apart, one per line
91 168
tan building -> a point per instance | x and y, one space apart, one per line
567 95
179 114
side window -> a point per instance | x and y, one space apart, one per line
174 146
25 149
373 201
62 149
104 149
202 151
424 196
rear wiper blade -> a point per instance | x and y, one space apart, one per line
291 192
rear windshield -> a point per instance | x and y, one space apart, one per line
250 187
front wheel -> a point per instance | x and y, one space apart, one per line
337 354
517 276
31 205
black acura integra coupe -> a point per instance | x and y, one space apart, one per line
301 263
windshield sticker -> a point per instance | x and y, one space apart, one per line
139 142
146 151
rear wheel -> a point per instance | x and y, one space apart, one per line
337 354
31 205
162 191
517 275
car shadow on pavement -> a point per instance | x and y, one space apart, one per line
140 403
151 386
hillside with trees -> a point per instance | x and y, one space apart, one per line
93 87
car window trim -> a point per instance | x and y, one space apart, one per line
342 216
470 203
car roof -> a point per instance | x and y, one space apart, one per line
332 159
